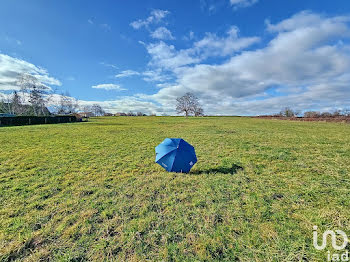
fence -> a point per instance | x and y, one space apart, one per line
35 120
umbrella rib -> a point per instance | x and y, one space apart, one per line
167 154
173 162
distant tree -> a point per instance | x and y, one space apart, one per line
67 105
131 114
38 93
139 114
97 110
198 111
86 109
16 102
2 105
5 104
312 114
326 114
188 104
12 104
287 112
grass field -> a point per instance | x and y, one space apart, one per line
91 191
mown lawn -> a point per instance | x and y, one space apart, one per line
91 191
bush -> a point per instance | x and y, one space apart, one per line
312 114
326 114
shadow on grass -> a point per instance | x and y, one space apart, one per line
224 170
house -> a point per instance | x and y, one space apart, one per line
120 114
86 114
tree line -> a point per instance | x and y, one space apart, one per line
34 98
289 112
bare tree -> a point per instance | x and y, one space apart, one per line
97 110
37 92
287 112
188 104
2 105
312 114
12 104
16 103
67 105
198 111
5 104
86 109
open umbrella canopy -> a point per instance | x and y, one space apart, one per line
175 155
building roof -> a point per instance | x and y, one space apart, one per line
6 115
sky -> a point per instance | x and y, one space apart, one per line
239 57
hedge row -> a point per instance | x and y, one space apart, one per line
35 120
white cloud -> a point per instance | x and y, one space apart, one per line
108 65
309 19
212 45
155 76
155 17
162 85
211 6
167 57
307 55
109 87
127 73
149 75
242 3
127 104
162 33
159 14
11 68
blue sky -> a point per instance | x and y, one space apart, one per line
238 56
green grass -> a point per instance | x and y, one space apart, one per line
91 191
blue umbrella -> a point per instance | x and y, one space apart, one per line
175 155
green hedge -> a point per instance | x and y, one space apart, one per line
35 120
